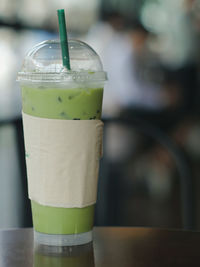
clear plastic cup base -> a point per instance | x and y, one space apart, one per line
62 240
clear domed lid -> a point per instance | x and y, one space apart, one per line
43 63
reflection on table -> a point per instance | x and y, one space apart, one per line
77 256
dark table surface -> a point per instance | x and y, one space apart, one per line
112 246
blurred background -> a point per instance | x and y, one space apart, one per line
150 48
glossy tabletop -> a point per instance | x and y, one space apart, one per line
112 246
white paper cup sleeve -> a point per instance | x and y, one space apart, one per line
62 158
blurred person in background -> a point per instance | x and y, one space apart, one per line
125 53
131 86
121 49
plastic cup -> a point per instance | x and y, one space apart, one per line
50 91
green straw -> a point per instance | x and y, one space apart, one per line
63 38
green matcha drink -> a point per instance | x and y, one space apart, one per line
50 91
65 104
